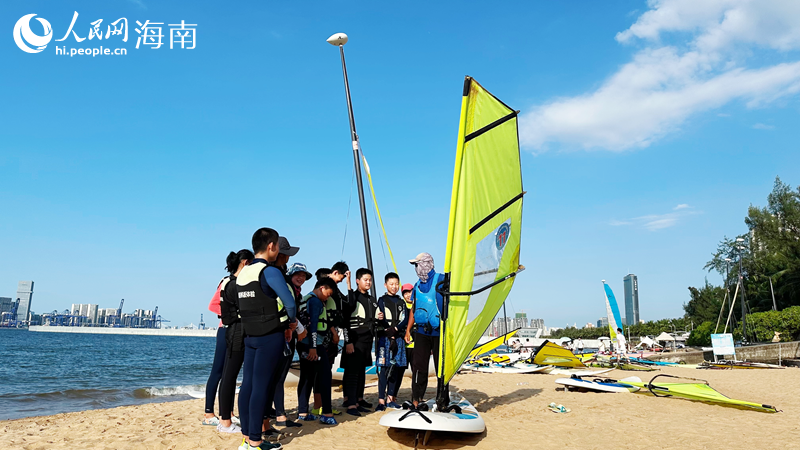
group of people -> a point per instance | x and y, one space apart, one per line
265 320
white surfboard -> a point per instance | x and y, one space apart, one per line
578 372
467 421
600 386
514 368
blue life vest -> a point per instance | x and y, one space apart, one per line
426 308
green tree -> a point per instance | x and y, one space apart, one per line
705 303
701 336
769 253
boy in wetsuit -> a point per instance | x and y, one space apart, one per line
314 368
363 310
391 352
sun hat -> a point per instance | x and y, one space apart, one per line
298 267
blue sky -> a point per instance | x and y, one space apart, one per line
647 130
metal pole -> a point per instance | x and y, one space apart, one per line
357 162
741 281
505 323
772 291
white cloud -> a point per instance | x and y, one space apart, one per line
663 85
761 126
654 222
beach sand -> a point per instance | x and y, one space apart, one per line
513 406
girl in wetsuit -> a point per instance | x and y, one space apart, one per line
226 356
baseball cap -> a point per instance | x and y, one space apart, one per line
285 248
421 257
407 287
298 267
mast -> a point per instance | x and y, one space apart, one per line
339 39
505 323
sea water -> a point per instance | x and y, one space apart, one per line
50 373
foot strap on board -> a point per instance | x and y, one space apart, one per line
415 411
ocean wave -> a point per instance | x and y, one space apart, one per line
167 391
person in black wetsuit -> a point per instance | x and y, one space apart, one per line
363 312
234 340
333 307
296 275
233 264
267 309
391 352
314 368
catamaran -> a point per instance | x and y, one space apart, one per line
482 254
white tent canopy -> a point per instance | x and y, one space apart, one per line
645 341
664 336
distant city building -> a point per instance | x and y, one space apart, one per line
520 321
24 296
6 304
631 284
603 322
589 325
537 323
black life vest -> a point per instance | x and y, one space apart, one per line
228 301
362 319
394 311
261 312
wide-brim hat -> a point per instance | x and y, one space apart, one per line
298 267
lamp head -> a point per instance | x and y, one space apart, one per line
338 39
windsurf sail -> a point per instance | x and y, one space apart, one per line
550 354
612 311
700 392
491 345
483 238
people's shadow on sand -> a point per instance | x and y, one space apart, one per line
444 440
483 403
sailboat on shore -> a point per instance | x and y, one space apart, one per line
482 256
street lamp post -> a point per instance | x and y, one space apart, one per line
339 39
741 286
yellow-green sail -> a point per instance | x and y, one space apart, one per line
485 222
700 392
490 345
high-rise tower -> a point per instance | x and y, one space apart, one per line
631 284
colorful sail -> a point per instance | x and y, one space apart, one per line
550 354
612 311
699 392
490 345
483 238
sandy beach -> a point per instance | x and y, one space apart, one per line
513 406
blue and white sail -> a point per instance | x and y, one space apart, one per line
612 311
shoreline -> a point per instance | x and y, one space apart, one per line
513 406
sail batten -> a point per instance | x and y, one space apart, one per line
482 254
